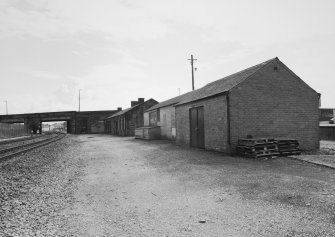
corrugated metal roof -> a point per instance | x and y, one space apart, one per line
222 85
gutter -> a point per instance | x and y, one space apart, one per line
200 99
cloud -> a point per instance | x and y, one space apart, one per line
118 50
45 75
49 19
26 5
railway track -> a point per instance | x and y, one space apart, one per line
27 139
14 150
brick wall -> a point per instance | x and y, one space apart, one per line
275 103
215 123
166 123
86 119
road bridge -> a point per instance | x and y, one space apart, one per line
77 122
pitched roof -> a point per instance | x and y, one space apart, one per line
171 101
223 85
123 111
129 109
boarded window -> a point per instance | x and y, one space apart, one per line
153 118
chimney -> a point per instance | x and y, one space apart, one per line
119 108
133 103
140 100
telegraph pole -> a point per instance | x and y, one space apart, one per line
6 107
192 60
79 101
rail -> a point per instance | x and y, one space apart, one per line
20 139
19 149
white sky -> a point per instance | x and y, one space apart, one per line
118 50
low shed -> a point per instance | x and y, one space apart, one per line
162 115
266 100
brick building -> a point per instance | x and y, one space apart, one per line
266 100
125 121
163 116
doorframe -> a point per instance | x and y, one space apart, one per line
190 118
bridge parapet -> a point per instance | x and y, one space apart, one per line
77 122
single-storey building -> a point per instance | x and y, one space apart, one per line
162 115
266 100
125 121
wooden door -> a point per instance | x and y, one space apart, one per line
197 129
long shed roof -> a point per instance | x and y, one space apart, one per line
171 101
223 85
123 111
216 87
129 109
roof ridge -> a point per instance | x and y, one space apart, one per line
265 63
225 84
128 109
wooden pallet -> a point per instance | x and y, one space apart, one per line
288 147
256 148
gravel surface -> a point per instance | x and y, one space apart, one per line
140 188
35 188
98 185
328 147
325 156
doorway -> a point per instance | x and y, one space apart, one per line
197 129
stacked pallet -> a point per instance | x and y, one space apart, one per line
288 147
256 148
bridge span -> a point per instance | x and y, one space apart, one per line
77 122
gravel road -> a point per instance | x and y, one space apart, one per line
36 187
98 185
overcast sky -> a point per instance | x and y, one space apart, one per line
118 50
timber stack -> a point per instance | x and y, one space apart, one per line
288 147
256 148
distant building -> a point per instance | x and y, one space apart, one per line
326 114
54 127
327 126
125 121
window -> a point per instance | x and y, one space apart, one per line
153 118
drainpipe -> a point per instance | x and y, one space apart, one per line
228 119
